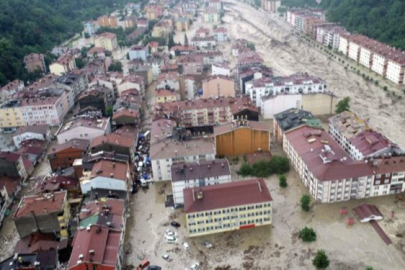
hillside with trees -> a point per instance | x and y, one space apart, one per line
28 26
381 20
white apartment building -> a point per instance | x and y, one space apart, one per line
343 45
198 174
395 70
299 83
168 147
379 64
44 110
366 57
354 51
86 128
221 69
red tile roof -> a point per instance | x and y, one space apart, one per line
102 241
126 113
9 156
366 212
72 144
107 210
107 35
369 142
37 242
124 136
324 157
9 183
41 204
110 169
226 195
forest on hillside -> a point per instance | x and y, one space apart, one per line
383 20
28 26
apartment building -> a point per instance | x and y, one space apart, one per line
198 174
329 35
40 132
139 52
208 112
171 144
271 5
11 116
62 156
182 24
211 15
242 137
221 69
11 88
300 83
168 80
204 43
106 40
86 128
316 103
45 213
107 21
220 34
218 86
91 27
332 175
34 62
191 64
65 63
358 139
227 207
162 29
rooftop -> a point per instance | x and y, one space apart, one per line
87 122
41 129
96 244
106 212
260 126
226 195
41 204
348 124
293 118
106 35
72 144
200 170
110 169
164 143
124 137
324 157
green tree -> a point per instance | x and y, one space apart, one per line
116 66
185 40
307 234
320 261
170 42
369 268
86 35
282 181
245 169
109 111
251 46
305 201
343 105
80 63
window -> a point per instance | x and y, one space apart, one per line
377 182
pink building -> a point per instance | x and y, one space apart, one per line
218 86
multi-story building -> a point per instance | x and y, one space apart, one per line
11 116
227 207
139 52
182 24
221 69
271 5
86 128
198 174
220 34
161 29
107 21
62 156
332 175
169 80
171 144
358 139
191 64
34 62
45 213
242 137
65 63
208 112
211 15
218 86
11 88
204 43
316 103
91 27
329 35
107 41
299 83
40 132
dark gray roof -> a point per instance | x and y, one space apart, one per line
292 118
200 170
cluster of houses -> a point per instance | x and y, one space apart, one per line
387 61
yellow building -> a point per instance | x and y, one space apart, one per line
161 30
10 115
242 137
164 95
64 64
182 24
106 40
227 207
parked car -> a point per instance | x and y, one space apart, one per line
207 244
175 224
177 206
194 266
143 264
186 246
154 267
171 239
166 257
170 233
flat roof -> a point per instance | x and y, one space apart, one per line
226 195
200 170
254 125
41 204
